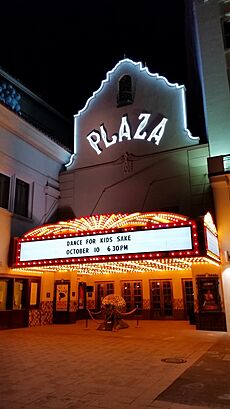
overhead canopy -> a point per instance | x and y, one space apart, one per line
119 243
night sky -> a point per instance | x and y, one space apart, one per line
63 50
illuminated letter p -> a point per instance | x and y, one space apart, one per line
94 139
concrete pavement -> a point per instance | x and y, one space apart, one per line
74 367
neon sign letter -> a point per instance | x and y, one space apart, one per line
94 142
95 137
124 131
158 131
105 137
142 125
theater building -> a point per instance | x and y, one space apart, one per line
142 222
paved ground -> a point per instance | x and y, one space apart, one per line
71 367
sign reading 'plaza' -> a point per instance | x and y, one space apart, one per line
144 241
125 134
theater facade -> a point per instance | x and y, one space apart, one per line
165 265
137 213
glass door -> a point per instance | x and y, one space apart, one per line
132 294
20 294
20 312
3 294
161 299
188 299
103 289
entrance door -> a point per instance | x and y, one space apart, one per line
132 294
20 312
188 299
103 289
161 299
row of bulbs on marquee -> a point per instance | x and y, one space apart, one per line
131 267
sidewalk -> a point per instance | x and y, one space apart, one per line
71 367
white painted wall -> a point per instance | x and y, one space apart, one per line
153 94
133 174
29 155
171 180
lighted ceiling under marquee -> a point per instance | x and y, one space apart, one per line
130 267
110 223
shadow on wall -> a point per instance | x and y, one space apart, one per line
64 213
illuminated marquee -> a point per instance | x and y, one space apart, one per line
108 246
117 243
124 133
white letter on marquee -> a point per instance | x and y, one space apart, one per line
124 131
141 126
157 132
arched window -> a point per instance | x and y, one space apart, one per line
125 92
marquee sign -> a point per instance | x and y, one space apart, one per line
153 242
103 243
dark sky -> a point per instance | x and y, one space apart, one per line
62 50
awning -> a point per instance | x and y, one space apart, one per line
119 243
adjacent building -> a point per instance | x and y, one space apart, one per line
211 24
30 162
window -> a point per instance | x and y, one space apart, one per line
6 293
125 94
14 195
161 298
20 294
103 289
132 294
225 22
226 33
225 25
21 198
4 191
188 295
